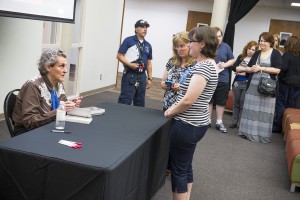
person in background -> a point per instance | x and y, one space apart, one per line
276 41
190 111
175 68
224 60
134 79
289 81
239 84
40 96
257 116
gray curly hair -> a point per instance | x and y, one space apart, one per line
49 57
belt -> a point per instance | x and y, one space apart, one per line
133 72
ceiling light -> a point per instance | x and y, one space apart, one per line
295 4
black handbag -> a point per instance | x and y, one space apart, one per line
267 86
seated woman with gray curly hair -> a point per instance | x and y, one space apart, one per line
40 96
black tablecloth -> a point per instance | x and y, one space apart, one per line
124 156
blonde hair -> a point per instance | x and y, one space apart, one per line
278 40
181 37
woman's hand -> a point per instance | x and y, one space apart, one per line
167 114
68 105
240 69
77 101
170 113
256 68
176 87
163 85
71 104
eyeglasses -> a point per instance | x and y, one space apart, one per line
261 41
193 41
181 46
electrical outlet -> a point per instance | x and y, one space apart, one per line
100 77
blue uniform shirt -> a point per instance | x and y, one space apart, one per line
145 46
224 54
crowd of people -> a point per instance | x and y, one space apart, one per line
197 87
195 80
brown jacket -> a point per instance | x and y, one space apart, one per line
33 104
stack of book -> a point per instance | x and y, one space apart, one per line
84 115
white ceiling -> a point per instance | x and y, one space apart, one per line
278 3
275 3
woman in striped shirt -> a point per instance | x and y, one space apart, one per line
190 111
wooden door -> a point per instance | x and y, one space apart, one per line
197 19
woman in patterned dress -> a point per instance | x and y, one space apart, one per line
176 67
257 116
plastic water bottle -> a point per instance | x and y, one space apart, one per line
60 117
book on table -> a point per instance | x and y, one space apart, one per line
84 115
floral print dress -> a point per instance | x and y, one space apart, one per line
174 75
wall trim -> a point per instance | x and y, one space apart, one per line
91 92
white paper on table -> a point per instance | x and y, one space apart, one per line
132 53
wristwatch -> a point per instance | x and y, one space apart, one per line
149 79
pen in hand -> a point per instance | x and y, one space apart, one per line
60 131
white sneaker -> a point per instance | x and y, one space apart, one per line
221 128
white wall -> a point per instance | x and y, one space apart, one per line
258 21
20 47
165 18
168 17
101 41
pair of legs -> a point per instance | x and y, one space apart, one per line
286 99
219 111
183 196
219 98
133 89
184 138
238 93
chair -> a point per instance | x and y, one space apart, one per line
8 108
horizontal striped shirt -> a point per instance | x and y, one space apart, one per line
197 114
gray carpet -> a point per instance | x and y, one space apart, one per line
226 167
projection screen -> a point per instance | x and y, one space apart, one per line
46 10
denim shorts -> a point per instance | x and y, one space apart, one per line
184 138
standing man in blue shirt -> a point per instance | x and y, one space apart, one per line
136 54
224 60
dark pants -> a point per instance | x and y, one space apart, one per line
184 138
238 93
220 95
286 99
130 92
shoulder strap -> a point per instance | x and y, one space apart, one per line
141 49
258 59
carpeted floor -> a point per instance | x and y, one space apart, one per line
226 167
